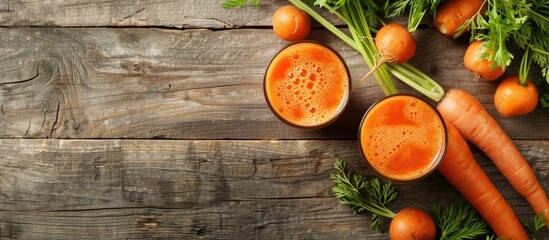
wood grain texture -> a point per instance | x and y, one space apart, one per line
138 13
190 84
167 13
209 189
145 119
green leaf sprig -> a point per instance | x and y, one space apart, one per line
458 221
539 222
417 10
362 194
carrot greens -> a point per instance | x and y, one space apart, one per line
458 221
362 194
525 23
539 222
417 10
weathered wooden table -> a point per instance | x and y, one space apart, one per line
146 119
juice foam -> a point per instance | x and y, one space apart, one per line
402 137
307 84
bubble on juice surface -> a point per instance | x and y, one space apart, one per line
413 112
303 72
312 77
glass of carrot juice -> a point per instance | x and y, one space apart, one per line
307 85
402 138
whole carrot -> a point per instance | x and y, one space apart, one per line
463 172
477 126
454 13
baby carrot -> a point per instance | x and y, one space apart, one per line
513 97
477 126
475 62
462 171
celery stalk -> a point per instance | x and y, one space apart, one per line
362 41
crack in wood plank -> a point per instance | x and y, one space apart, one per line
20 81
56 123
24 80
28 128
133 14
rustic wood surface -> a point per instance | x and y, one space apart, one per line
132 13
260 189
146 119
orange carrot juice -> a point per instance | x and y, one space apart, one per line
307 85
402 138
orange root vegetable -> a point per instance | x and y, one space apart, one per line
512 98
395 43
462 171
291 23
477 126
454 13
412 223
477 64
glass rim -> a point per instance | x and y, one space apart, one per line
439 157
343 104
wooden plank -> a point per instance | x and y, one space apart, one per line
133 13
191 84
66 189
181 14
